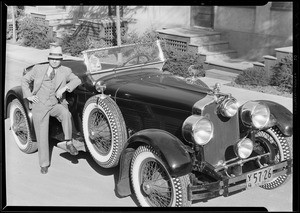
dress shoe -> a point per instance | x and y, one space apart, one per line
71 148
44 169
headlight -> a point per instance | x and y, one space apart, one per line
100 86
197 128
255 114
229 108
244 148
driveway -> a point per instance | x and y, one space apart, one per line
79 181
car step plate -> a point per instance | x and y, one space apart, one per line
259 177
79 145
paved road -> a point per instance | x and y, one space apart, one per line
79 181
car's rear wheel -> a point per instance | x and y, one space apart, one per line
104 130
273 137
152 183
20 128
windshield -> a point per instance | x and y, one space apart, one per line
123 57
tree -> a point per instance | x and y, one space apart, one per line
14 23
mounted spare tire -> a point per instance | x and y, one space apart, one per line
104 130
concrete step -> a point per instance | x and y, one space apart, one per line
209 46
219 55
215 36
57 16
49 9
230 65
220 74
189 35
50 15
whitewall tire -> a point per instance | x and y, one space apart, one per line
20 127
152 183
104 130
283 152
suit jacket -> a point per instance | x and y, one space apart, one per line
64 77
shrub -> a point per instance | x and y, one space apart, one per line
31 33
9 34
282 74
178 62
255 76
74 45
133 37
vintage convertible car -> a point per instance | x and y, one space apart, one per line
175 140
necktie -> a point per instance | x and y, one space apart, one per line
52 74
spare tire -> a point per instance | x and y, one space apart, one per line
104 130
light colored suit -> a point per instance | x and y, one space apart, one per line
42 111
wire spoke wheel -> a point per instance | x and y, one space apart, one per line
155 183
104 130
266 141
152 183
100 131
20 127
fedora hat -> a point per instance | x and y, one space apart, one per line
55 53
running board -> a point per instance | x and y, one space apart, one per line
79 145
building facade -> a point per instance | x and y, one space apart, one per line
252 31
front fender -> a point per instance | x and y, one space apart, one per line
16 93
283 118
170 148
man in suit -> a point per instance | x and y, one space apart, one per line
50 83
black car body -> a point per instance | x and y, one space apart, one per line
175 139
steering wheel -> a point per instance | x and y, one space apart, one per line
138 59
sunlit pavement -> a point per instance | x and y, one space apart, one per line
79 181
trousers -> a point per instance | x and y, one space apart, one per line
41 114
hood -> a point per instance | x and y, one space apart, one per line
155 88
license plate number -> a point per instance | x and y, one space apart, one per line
259 178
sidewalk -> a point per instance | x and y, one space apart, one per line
243 95
30 55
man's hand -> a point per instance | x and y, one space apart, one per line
60 92
33 99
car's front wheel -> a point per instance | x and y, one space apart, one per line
104 130
273 138
152 183
20 128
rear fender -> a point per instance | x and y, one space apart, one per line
16 93
170 148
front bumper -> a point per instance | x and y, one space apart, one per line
227 186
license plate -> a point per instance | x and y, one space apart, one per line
259 178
